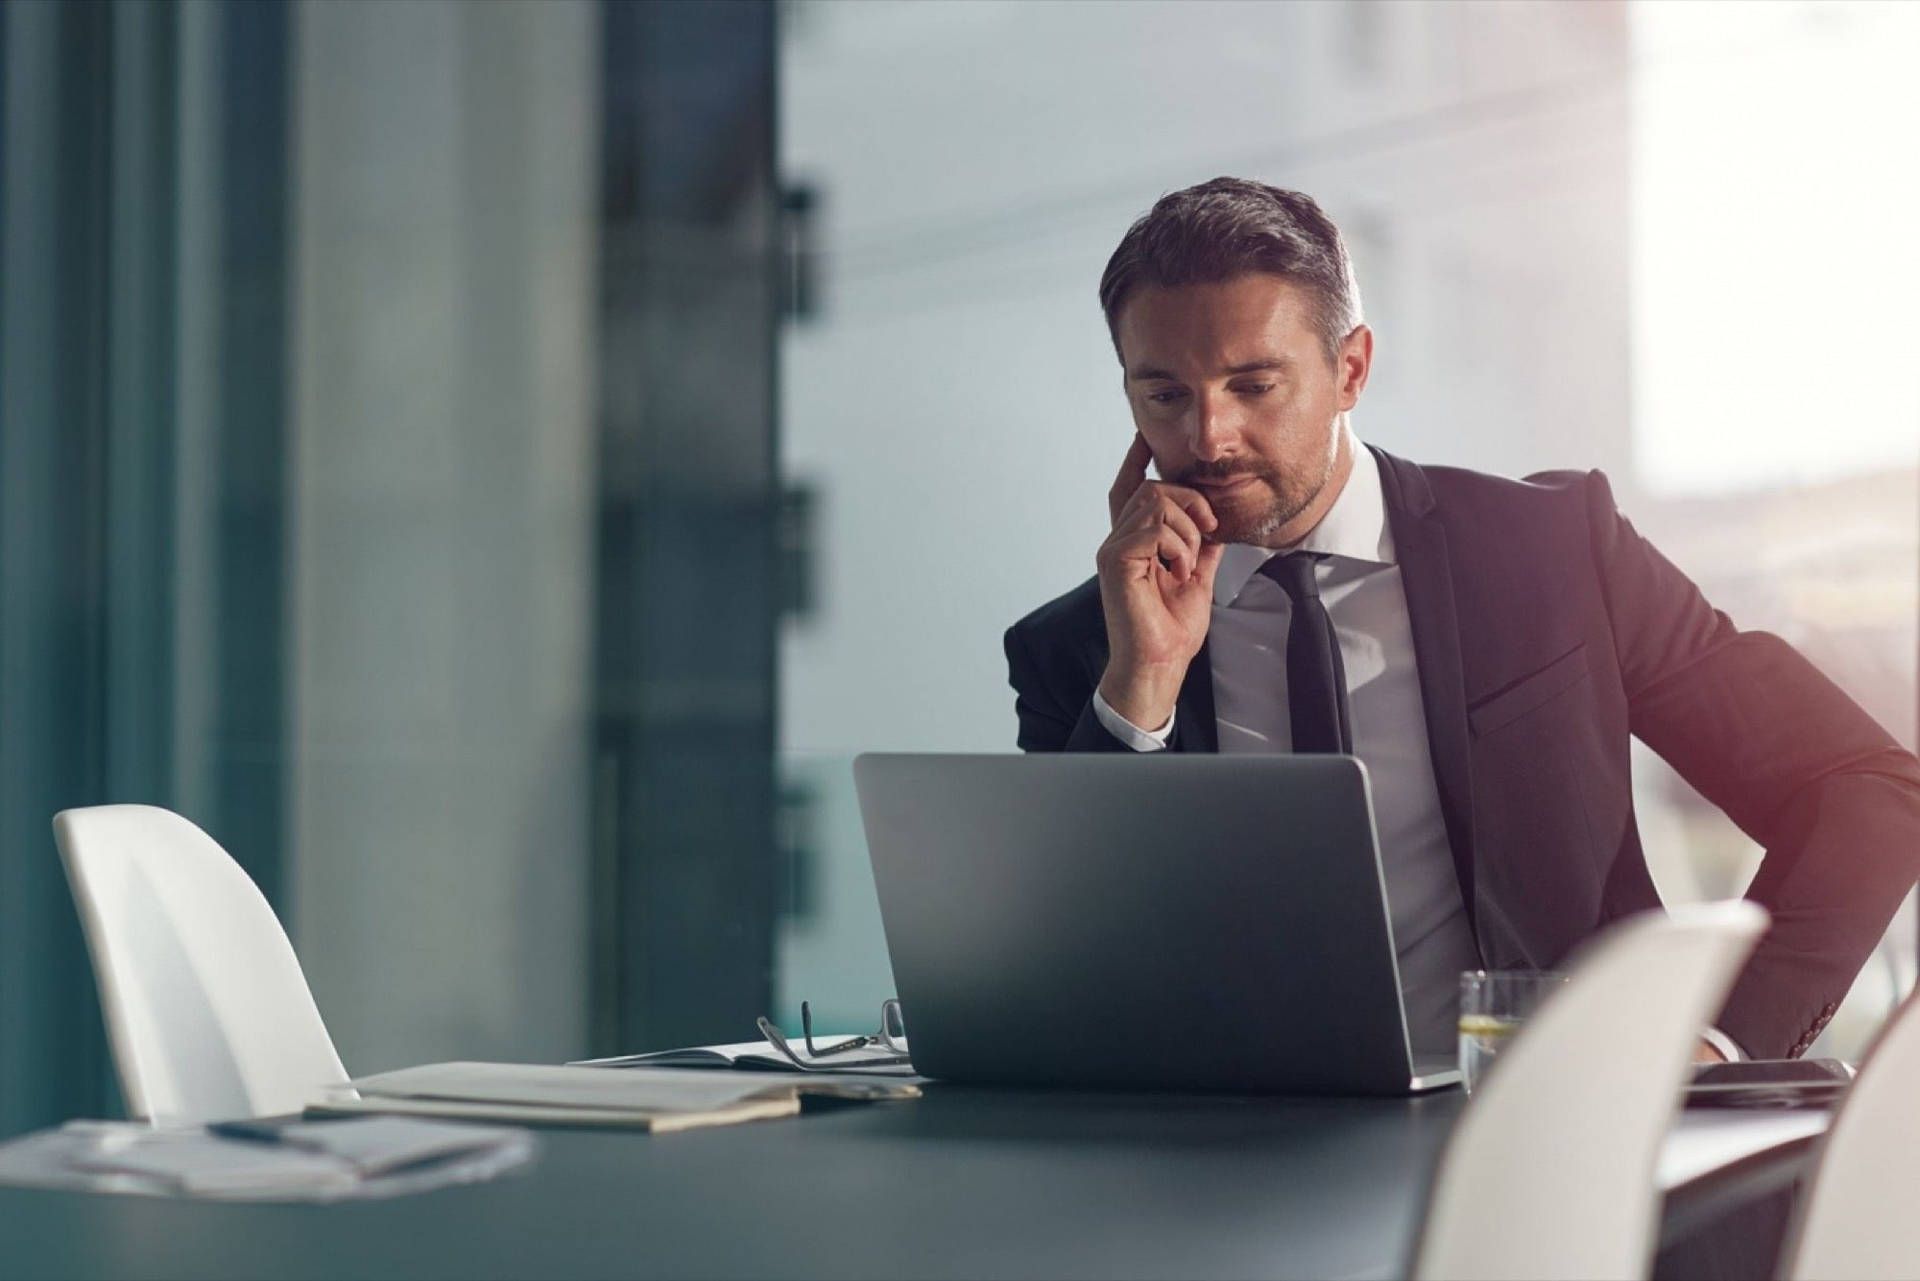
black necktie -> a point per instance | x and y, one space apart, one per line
1316 678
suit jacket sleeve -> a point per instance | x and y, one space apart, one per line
1794 761
1053 699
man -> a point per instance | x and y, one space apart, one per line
1486 646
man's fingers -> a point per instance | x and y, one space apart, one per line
1159 496
1173 517
1195 505
1157 513
1133 473
1148 545
1208 563
1155 497
1179 555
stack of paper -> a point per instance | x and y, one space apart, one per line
196 1163
264 1160
658 1099
374 1146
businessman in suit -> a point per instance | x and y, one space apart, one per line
1487 646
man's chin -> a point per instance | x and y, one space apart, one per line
1257 528
1239 531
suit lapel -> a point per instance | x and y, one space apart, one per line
1426 573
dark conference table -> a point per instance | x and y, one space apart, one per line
971 1183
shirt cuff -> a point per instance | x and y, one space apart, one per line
1722 1042
1140 740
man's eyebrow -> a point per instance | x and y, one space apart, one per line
1147 373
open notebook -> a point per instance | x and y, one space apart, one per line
754 1056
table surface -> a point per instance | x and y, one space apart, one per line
961 1183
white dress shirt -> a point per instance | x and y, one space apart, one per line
1360 584
1247 641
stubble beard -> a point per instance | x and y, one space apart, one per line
1292 494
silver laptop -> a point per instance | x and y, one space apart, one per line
1166 922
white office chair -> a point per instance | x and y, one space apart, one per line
207 1010
1551 1170
1856 1219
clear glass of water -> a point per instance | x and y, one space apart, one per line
1493 1005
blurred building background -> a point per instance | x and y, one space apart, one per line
493 465
387 483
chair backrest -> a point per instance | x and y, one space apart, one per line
207 1010
1550 1171
1856 1219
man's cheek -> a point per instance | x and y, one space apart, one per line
1161 471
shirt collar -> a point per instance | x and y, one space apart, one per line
1354 528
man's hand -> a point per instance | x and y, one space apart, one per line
1704 1052
1156 588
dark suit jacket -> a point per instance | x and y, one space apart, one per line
1546 632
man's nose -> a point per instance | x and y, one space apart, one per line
1212 428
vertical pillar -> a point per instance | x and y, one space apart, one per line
685 626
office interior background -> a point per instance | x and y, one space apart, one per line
493 465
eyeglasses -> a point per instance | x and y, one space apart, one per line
891 1041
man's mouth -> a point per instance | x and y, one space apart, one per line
1226 485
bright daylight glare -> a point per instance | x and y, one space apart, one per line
1774 198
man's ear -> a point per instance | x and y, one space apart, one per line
1354 364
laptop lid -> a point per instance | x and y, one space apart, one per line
1192 922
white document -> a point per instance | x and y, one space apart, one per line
381 1145
349 1104
264 1160
196 1163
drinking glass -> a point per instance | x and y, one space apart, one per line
1493 1005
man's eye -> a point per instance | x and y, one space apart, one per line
1164 397
1254 389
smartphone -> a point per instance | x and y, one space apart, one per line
1770 1083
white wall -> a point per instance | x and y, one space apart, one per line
440 585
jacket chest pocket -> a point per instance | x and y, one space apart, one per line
1529 692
